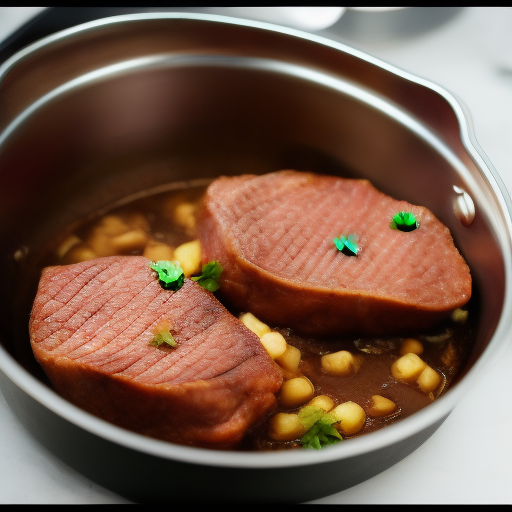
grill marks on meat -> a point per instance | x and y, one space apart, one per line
91 328
274 235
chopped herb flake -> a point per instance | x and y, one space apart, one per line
163 335
347 245
321 430
209 276
404 221
170 274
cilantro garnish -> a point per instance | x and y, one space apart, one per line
170 274
209 276
347 245
404 221
321 430
163 336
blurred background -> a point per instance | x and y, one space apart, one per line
465 50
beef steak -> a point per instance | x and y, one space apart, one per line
274 235
91 329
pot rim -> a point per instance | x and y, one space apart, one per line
388 436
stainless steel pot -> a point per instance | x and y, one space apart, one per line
100 112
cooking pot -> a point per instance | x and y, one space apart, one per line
99 113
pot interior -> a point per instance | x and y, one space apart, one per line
119 110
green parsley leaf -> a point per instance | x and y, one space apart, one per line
347 244
170 274
321 430
209 276
310 414
320 435
404 221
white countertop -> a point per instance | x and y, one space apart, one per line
468 460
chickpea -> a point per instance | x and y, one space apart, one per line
342 363
459 315
111 225
101 243
290 358
296 391
66 245
381 406
133 240
411 345
184 215
138 221
79 253
189 255
286 427
252 323
351 417
274 344
408 367
323 401
157 251
429 380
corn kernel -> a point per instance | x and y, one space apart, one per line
429 380
285 427
323 401
351 417
274 344
408 367
411 345
189 255
157 251
290 358
296 391
131 241
253 324
342 363
381 406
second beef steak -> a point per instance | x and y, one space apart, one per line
274 236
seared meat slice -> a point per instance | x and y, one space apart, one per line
274 233
91 329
